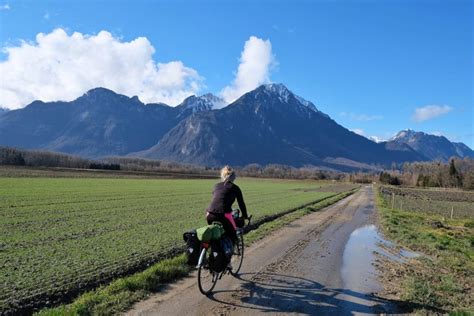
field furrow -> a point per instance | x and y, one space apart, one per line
62 234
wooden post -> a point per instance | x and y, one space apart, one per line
393 200
401 205
452 210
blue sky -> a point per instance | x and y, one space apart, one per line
368 64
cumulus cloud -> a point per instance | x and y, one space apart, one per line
256 61
361 117
429 112
59 66
5 7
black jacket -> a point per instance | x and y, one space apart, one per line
223 196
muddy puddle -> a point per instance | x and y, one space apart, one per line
358 272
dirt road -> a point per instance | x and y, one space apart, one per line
303 268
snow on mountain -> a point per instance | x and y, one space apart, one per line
407 136
434 147
279 90
217 102
205 102
268 125
284 95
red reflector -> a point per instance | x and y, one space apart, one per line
205 245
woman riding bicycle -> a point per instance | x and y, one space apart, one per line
224 195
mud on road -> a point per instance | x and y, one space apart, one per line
300 269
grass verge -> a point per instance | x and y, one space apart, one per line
442 278
122 293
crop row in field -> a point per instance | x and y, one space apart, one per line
455 203
64 234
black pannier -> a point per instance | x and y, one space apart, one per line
217 260
193 246
227 247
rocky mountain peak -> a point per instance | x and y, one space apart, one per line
406 135
434 147
104 96
278 91
205 102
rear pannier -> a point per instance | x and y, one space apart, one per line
192 247
217 260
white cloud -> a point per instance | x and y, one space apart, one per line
254 69
361 132
358 131
361 117
46 16
376 139
429 112
59 66
5 7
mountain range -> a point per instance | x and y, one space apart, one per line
267 125
433 147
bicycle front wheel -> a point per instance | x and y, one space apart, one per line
207 278
238 255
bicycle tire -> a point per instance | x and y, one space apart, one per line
205 273
237 258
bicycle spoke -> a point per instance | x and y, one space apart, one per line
207 278
238 256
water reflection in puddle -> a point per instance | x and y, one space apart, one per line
358 272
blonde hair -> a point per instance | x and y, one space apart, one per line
227 174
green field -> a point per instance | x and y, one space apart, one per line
440 281
434 201
60 234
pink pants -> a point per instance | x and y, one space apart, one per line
230 218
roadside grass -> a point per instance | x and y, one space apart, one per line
122 293
444 275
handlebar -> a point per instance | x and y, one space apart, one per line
236 214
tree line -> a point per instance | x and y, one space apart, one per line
457 173
41 158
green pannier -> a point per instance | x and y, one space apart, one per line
210 232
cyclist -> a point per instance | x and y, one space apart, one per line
223 196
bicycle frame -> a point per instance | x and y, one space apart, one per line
204 247
215 276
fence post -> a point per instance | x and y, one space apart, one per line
452 210
393 200
401 205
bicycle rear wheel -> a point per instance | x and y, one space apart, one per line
207 278
238 255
